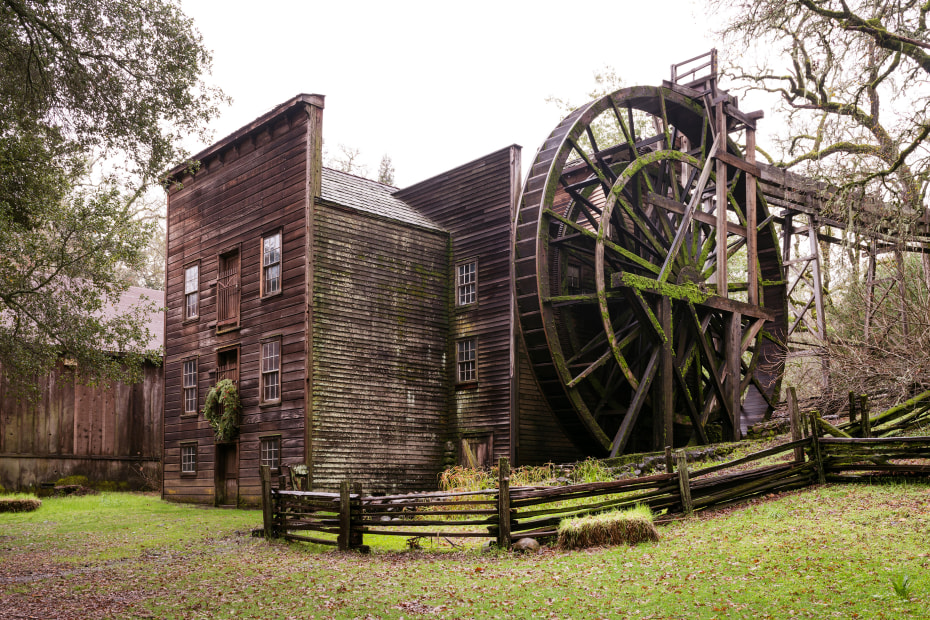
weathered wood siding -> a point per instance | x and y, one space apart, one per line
254 185
105 432
474 202
380 327
540 439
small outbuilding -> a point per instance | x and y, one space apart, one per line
108 432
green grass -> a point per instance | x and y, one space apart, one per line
832 551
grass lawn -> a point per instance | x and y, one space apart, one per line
827 552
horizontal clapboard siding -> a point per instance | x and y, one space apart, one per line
380 384
250 188
474 203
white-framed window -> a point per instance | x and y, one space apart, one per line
466 283
192 292
271 371
189 382
271 452
271 264
466 361
188 458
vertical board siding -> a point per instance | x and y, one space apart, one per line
474 203
101 432
252 187
380 385
541 438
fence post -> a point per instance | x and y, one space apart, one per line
684 482
503 503
864 414
264 472
356 535
815 449
669 461
794 418
345 515
852 407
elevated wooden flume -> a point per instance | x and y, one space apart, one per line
652 317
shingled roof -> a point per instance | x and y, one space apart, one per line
370 197
156 320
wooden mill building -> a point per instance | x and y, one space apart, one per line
370 330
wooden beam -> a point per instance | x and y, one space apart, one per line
721 184
752 246
664 423
732 339
736 162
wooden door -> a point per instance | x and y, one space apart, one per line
227 475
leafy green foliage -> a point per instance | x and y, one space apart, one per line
902 586
94 97
222 409
591 470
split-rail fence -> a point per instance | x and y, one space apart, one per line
508 513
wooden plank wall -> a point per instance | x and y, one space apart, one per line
380 380
101 432
474 203
254 186
540 438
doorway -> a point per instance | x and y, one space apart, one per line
227 474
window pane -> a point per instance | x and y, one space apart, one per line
190 279
271 452
271 250
466 358
272 279
466 278
271 367
190 386
188 459
191 290
190 305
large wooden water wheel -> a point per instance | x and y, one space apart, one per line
617 263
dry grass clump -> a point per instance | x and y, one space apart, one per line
629 527
19 504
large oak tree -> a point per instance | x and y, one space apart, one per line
94 98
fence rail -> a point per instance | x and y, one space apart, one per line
508 512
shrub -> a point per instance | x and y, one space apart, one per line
591 470
459 478
616 527
73 480
19 504
221 410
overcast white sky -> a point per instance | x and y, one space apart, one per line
436 84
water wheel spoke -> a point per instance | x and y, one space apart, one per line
605 181
601 337
692 410
710 359
610 245
639 398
